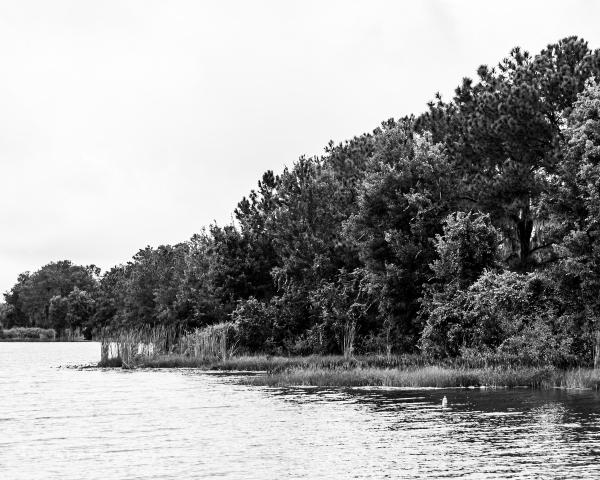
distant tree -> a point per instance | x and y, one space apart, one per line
5 313
111 298
58 315
30 296
81 308
197 299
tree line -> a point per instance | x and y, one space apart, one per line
471 229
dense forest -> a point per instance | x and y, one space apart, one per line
472 229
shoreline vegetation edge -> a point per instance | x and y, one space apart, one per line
371 371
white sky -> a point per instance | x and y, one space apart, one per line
133 123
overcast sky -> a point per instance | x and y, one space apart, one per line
133 123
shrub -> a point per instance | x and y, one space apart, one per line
253 323
510 313
32 333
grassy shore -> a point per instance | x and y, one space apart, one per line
400 371
434 376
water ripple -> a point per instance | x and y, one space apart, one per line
63 423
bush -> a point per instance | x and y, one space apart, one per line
507 313
33 333
253 323
467 248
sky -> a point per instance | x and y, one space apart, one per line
132 123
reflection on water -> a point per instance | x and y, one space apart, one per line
72 424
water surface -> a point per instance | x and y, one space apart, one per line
64 423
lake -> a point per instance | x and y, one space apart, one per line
65 423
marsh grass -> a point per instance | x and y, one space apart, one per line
165 346
578 378
212 348
251 363
412 377
212 342
124 346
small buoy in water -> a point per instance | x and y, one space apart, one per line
444 402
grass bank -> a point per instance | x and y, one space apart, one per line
433 376
395 371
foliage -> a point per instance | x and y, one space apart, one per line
254 322
508 312
503 135
31 296
408 190
468 246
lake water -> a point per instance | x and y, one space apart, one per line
64 423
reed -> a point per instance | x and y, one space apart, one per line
124 347
348 337
212 342
578 378
165 346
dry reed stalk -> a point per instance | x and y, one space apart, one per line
210 342
348 337
130 345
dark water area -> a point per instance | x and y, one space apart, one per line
65 423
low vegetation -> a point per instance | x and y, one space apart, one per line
413 377
211 349
369 371
27 334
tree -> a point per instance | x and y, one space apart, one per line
197 300
58 314
502 135
468 247
410 187
31 295
5 316
578 189
81 308
111 298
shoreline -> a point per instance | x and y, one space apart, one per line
375 371
41 340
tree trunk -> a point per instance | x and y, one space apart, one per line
524 230
597 351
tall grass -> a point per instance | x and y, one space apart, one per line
348 337
148 346
212 342
124 346
578 378
413 377
430 376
